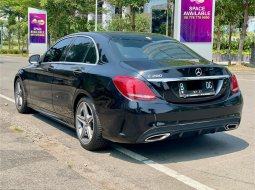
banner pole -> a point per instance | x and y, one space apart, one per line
96 16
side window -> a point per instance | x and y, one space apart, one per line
91 55
55 52
78 50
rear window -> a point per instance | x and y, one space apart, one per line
153 50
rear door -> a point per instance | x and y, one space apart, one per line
41 76
70 73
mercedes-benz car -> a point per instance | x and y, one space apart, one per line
129 88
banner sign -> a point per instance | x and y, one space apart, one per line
37 28
196 20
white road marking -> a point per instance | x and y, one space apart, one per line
7 98
161 168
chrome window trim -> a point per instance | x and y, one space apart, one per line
97 52
80 35
188 78
67 62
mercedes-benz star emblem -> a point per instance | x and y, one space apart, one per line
198 71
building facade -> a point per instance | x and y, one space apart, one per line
251 24
110 11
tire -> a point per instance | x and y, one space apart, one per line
20 97
88 127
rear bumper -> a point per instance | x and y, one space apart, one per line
191 129
134 121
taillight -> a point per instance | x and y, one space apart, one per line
133 88
234 85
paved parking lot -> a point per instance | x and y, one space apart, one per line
38 153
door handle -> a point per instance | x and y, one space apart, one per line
77 71
50 68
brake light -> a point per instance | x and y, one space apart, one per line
133 88
235 87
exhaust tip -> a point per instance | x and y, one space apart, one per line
232 126
158 137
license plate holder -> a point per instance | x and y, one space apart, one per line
196 88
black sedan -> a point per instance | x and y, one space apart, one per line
129 88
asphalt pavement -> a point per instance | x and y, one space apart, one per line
39 153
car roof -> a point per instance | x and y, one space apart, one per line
126 35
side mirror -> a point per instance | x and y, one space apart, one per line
34 59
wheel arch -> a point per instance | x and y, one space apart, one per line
78 95
15 79
18 75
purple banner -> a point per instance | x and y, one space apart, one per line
196 20
37 27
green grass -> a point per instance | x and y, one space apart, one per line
225 51
11 47
13 50
16 129
16 55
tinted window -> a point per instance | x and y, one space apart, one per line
91 55
55 52
78 50
153 50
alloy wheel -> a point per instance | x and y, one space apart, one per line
18 95
84 122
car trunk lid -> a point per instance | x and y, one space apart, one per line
185 81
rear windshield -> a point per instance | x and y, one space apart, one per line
153 50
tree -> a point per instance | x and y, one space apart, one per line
135 5
170 11
219 22
16 13
10 29
7 10
247 6
124 24
66 16
228 13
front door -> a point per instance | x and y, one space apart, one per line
41 77
40 81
